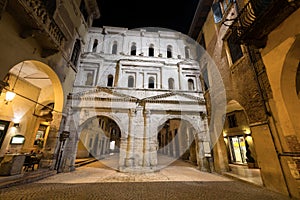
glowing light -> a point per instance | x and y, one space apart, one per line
9 96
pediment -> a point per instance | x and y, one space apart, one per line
102 93
174 97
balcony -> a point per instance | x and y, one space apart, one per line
258 18
36 21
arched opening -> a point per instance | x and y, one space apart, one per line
130 81
151 50
100 138
169 51
110 80
171 83
239 144
176 140
133 49
151 82
34 110
191 84
114 48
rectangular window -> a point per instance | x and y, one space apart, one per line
232 122
235 49
217 12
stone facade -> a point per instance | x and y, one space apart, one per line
140 80
257 55
41 38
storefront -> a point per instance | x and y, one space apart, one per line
237 149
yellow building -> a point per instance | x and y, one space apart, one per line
255 45
40 45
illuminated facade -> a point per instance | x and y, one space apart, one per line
255 46
143 88
40 45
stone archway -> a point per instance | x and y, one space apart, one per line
36 108
184 138
288 88
100 137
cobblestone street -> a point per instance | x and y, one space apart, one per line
177 181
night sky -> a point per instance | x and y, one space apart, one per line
171 14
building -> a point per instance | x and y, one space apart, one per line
255 46
40 45
137 94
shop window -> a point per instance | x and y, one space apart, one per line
133 49
95 45
232 122
187 52
151 82
76 52
217 11
235 49
191 84
169 51
114 48
151 50
171 83
110 80
238 149
130 81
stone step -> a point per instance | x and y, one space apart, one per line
28 177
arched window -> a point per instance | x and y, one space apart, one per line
133 49
151 50
95 45
171 83
187 52
191 84
110 80
151 82
114 48
76 52
169 51
130 81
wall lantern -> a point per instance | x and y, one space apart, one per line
10 95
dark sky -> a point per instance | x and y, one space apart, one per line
171 14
